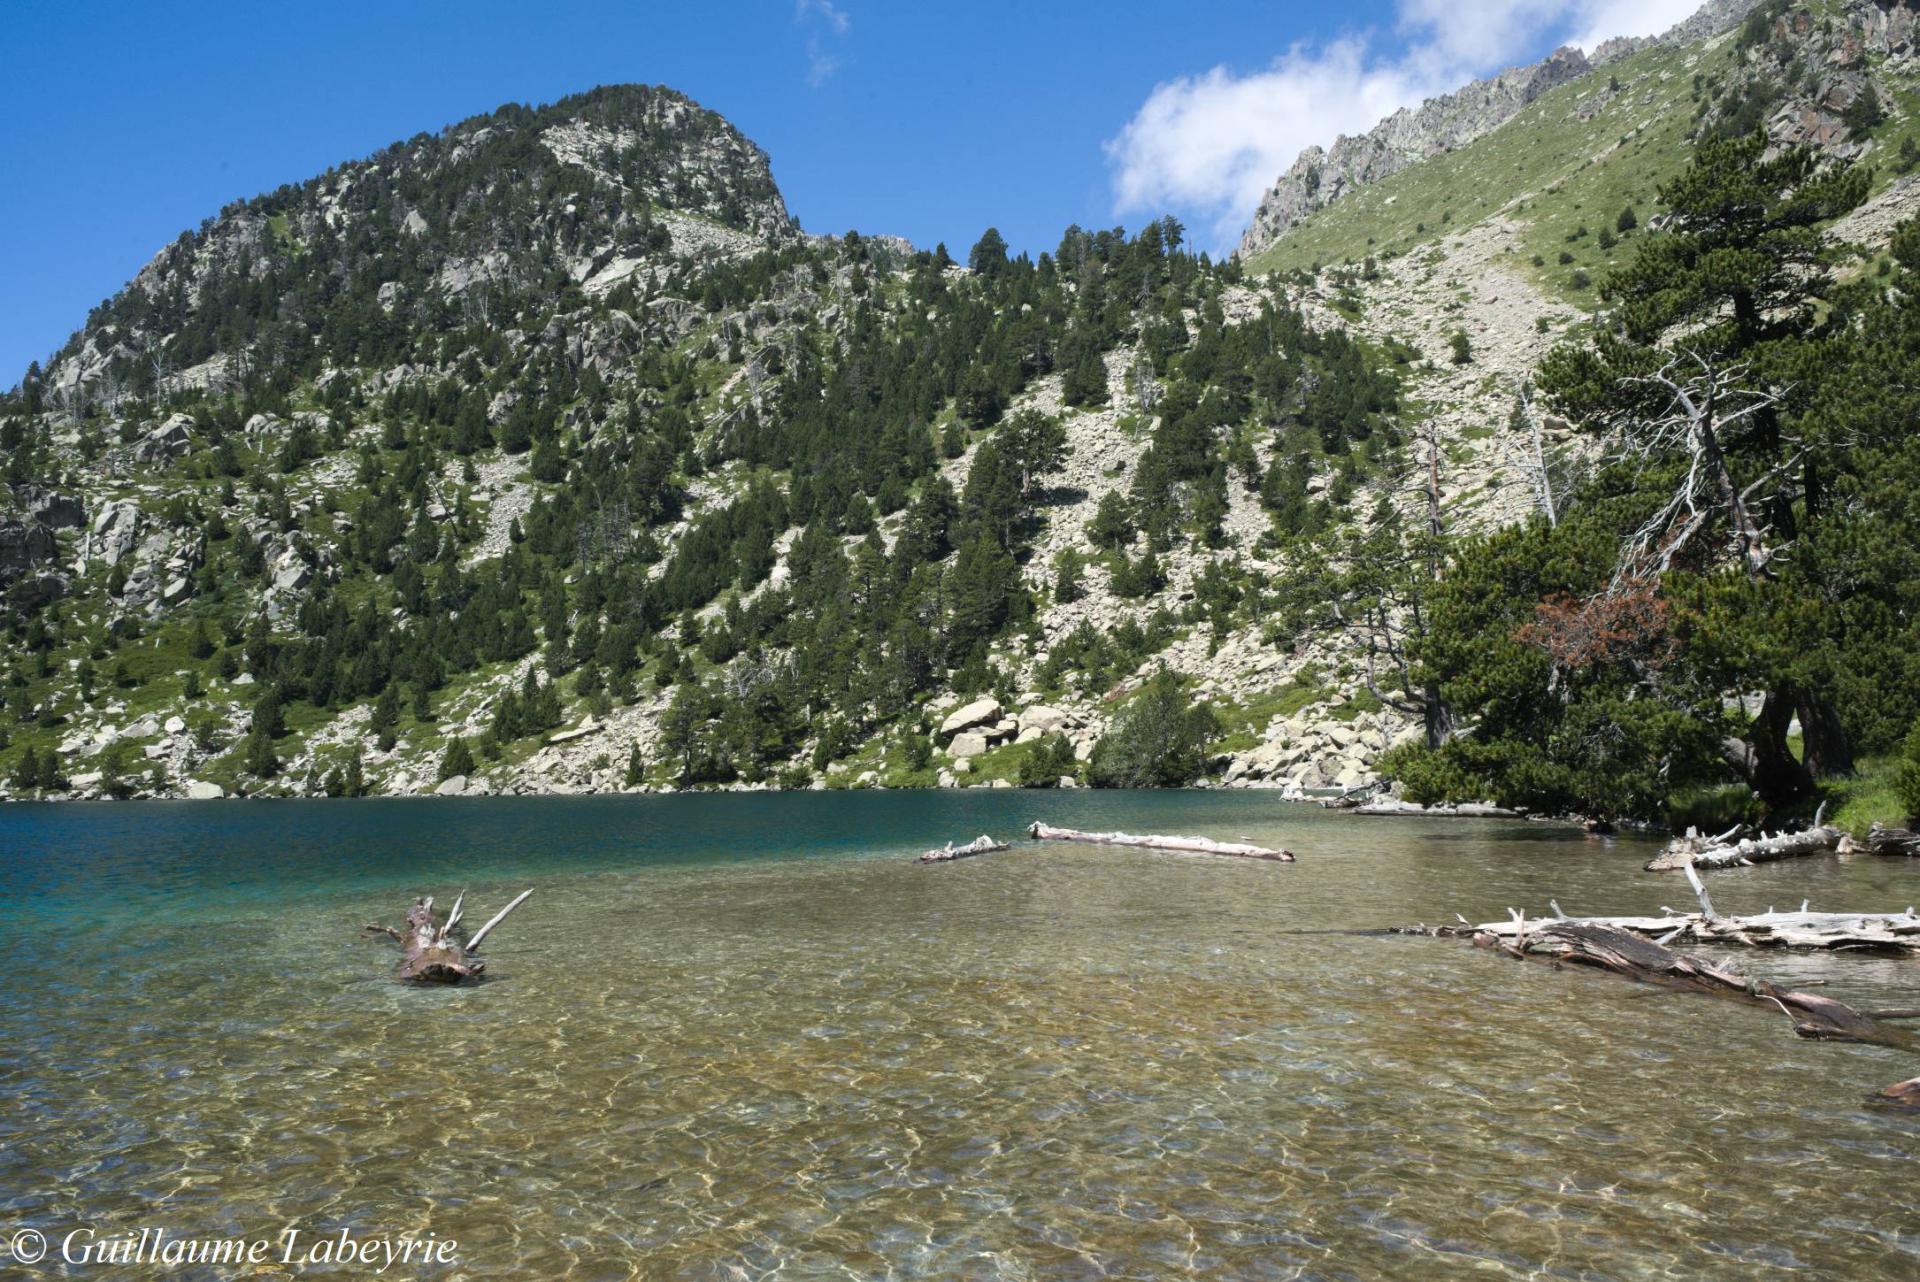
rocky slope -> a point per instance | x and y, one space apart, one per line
546 454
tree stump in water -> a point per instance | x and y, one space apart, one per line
431 952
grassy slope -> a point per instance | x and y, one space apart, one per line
1546 168
1552 173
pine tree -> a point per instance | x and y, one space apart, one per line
989 255
980 588
269 716
1112 525
457 760
261 760
26 771
1067 571
1159 740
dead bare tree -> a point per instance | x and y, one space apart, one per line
1542 473
1374 586
1705 404
1146 383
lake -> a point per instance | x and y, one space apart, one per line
744 1036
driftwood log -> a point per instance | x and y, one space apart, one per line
1182 845
1463 810
1899 1095
1729 851
439 952
1895 932
980 845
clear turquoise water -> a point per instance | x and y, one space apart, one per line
744 1037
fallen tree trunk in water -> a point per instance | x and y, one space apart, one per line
1622 952
430 950
1184 845
980 845
1615 946
1696 851
1461 810
1897 932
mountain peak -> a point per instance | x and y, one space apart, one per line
583 192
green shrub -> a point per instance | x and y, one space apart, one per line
1045 763
1906 773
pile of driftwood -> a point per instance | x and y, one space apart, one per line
980 845
1882 840
438 952
1182 845
1732 850
1622 952
1636 948
1895 932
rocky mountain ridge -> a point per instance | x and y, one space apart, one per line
546 454
1321 176
567 216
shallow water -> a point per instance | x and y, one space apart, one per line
743 1037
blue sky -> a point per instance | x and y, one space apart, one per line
130 121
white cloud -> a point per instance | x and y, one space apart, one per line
828 21
820 64
827 12
1211 145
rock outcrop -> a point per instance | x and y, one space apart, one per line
51 508
166 442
